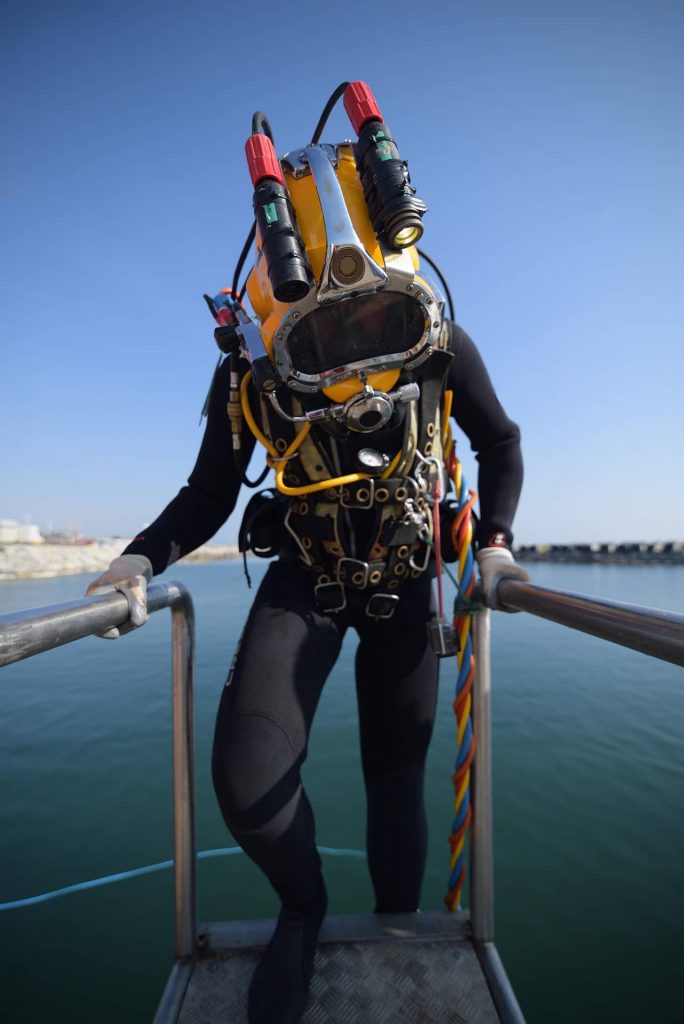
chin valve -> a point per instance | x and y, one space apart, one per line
443 638
368 411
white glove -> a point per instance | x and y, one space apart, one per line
129 574
497 564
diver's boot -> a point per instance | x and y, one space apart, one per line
280 983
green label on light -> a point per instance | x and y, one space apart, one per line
270 212
383 150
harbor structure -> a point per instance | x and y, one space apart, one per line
608 553
13 532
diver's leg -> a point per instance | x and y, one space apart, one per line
397 677
285 655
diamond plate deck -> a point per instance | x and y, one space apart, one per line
419 980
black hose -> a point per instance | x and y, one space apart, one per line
261 124
241 261
326 112
440 275
244 287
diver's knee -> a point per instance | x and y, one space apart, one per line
255 770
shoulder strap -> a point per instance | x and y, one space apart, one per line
452 337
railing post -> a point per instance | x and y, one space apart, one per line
182 618
482 860
23 635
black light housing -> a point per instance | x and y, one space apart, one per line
395 210
288 267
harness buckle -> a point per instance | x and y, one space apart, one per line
331 597
382 606
353 572
359 495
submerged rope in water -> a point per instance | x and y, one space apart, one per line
122 876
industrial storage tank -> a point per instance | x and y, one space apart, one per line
29 534
9 531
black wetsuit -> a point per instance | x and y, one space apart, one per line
289 647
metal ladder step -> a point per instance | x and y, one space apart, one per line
369 969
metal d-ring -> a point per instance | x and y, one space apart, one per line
421 568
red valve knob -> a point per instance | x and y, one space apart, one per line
359 102
262 160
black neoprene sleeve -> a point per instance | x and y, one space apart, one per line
202 507
493 437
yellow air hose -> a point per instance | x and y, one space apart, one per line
279 462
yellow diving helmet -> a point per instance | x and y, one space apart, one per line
341 305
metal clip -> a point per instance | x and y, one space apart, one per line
426 560
412 514
308 560
427 462
443 637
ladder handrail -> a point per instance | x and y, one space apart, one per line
23 634
648 630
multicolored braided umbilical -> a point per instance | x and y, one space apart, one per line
462 538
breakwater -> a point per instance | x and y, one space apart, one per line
629 553
41 561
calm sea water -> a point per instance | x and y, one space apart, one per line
589 822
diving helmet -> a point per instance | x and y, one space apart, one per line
341 304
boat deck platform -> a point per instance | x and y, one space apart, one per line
369 969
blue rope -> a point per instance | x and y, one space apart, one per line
122 876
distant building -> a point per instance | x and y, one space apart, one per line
9 531
61 536
12 532
29 534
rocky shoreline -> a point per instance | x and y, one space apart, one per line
42 561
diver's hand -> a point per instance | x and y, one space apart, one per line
129 574
497 564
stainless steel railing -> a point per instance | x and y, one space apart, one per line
656 633
23 634
660 634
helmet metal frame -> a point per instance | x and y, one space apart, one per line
348 271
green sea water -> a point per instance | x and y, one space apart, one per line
588 807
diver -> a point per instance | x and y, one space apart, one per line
343 368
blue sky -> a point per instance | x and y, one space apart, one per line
547 139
